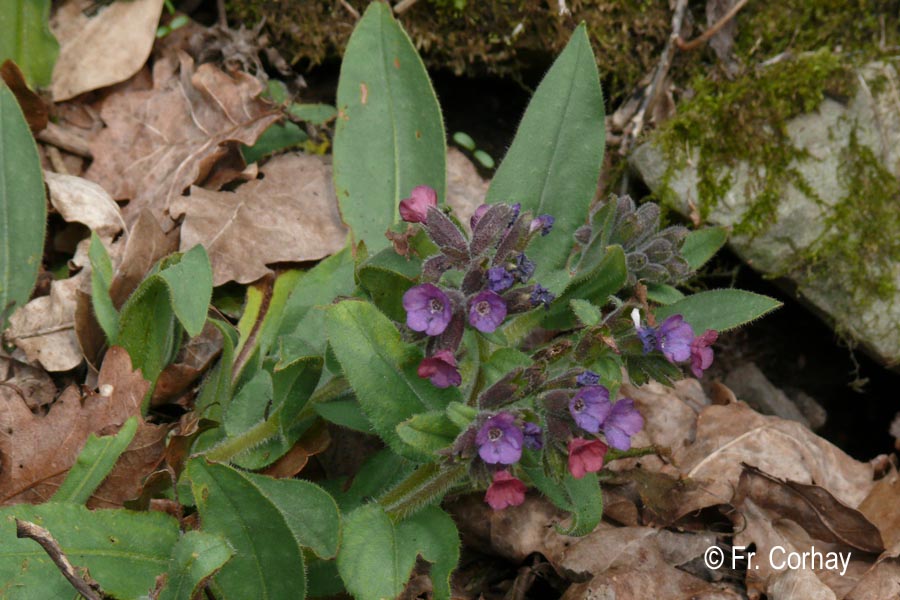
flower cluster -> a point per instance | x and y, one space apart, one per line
676 340
500 441
495 282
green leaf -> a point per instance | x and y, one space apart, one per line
23 207
195 558
267 522
460 138
585 503
381 369
428 432
554 161
250 404
662 293
719 309
377 555
424 487
101 279
596 285
588 314
25 39
381 471
701 245
279 136
124 551
389 134
190 283
345 412
94 463
317 114
387 276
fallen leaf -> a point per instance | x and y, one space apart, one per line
882 580
45 327
882 507
77 199
31 384
37 451
35 110
193 359
290 215
145 245
104 49
157 143
312 442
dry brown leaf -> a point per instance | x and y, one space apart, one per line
158 143
31 384
882 580
45 327
733 434
882 507
662 582
312 442
146 244
193 359
36 451
290 215
126 480
84 201
812 507
104 49
33 108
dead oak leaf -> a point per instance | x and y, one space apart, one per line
84 201
290 215
159 142
36 451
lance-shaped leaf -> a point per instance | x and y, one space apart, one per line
25 38
719 309
389 134
554 162
381 369
123 551
268 522
699 246
596 285
378 555
195 558
23 208
101 280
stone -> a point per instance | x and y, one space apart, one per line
859 309
750 385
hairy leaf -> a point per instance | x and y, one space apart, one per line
26 39
719 309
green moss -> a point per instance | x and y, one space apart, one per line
745 120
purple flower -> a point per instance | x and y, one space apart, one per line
500 440
516 209
487 311
590 406
476 216
415 208
674 339
702 353
427 309
524 268
533 436
543 222
541 295
585 456
587 378
441 369
622 422
649 337
505 491
499 279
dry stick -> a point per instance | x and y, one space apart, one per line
662 69
65 139
704 37
26 529
350 9
403 6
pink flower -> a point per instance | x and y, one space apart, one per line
505 491
415 208
701 353
585 456
441 369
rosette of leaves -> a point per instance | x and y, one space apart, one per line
652 255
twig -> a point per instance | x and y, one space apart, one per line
704 37
662 69
563 9
350 9
65 139
26 529
403 6
223 16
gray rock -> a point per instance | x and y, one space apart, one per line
800 220
750 385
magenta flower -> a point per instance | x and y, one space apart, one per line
505 491
543 222
499 279
441 369
702 353
587 378
622 422
476 216
590 406
585 456
415 208
533 436
500 440
487 311
428 309
674 339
